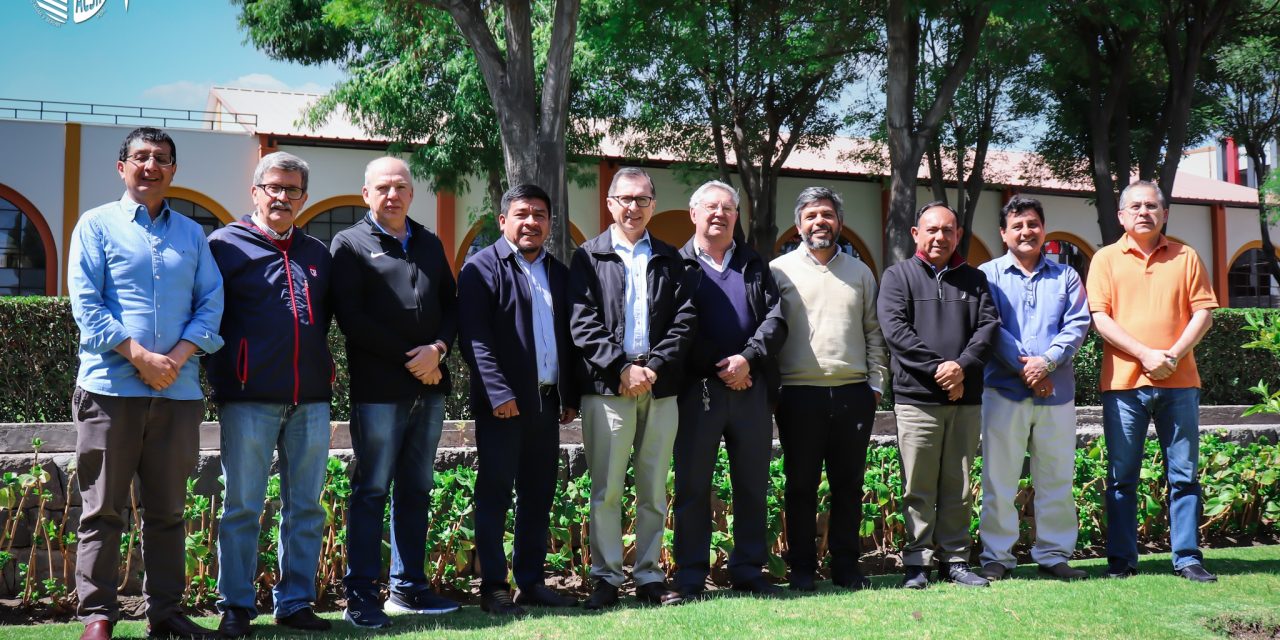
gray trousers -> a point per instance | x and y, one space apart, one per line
117 437
937 444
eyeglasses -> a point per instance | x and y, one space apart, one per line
720 208
162 159
639 201
274 190
1138 207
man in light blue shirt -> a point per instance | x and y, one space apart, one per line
1029 401
146 296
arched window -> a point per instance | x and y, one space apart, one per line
1066 252
22 254
849 243
196 212
327 225
1250 283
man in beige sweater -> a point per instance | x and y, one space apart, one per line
832 368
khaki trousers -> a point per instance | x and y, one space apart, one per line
611 427
117 437
937 444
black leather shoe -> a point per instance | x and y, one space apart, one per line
1196 573
305 619
540 595
693 593
1063 571
915 577
236 623
657 593
179 626
854 581
803 581
1120 570
993 571
759 586
604 595
959 573
498 602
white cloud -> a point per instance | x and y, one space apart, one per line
187 94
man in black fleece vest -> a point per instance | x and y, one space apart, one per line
939 321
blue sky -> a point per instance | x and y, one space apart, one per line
158 53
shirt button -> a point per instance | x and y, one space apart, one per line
157 276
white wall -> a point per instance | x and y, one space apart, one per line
32 166
340 172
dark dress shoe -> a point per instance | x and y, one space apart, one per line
305 619
759 586
657 593
915 577
180 627
540 595
993 571
236 623
1120 570
604 595
1196 573
497 601
854 581
959 573
97 630
803 581
1063 571
695 593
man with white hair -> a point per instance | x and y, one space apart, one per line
272 389
832 372
394 298
731 381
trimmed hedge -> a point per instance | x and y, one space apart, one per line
38 364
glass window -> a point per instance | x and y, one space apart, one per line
327 224
22 258
205 217
1067 253
1250 283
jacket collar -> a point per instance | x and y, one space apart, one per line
602 245
689 252
956 261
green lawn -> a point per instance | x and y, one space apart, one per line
1155 604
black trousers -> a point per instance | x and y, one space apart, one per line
831 425
521 453
742 419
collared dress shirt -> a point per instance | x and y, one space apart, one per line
711 262
635 260
544 327
1042 314
153 280
408 232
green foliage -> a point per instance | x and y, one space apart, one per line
38 365
1266 329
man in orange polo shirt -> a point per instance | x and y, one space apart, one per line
1152 303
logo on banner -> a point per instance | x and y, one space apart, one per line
58 12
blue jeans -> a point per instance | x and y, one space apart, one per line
1125 416
392 441
250 432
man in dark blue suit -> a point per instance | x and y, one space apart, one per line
514 317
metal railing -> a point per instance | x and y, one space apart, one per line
19 109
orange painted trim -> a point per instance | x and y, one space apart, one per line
46 237
845 233
1218 234
327 204
460 253
266 145
446 223
608 169
202 200
1252 244
974 259
70 194
1080 243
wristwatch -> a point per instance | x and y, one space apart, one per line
1049 364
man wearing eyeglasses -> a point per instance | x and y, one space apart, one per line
733 380
1029 401
1152 303
147 296
272 387
394 298
632 317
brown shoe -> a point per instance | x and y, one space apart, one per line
97 630
658 593
180 627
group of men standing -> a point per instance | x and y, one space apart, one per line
661 351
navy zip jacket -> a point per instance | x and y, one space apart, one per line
276 321
496 330
596 291
928 319
387 301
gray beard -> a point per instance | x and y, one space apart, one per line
816 244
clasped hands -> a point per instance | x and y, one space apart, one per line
1159 363
424 364
1035 374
